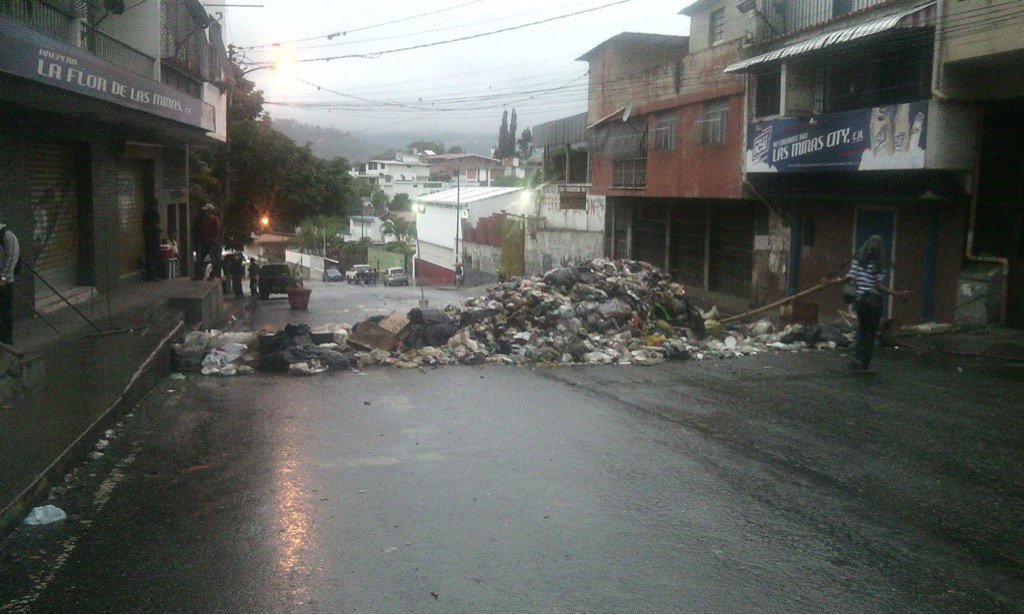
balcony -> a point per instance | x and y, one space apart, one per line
63 26
785 17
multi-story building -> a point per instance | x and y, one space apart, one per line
665 139
404 175
465 169
853 133
565 222
98 108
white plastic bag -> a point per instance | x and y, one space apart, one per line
45 515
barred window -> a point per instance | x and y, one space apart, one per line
665 131
713 127
629 173
716 26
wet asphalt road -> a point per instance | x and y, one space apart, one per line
770 483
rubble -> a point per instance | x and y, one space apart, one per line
600 312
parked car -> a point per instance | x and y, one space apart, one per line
354 275
333 275
395 276
275 278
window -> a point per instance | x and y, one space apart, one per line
665 131
629 173
716 27
768 94
868 77
713 127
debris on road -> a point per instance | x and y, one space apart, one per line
599 312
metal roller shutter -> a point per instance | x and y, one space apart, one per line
52 182
732 253
130 200
649 234
688 246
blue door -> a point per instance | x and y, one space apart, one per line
877 222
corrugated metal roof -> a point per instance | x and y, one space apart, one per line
570 130
832 38
464 195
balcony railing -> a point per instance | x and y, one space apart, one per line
113 50
69 28
788 16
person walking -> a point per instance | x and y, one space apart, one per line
11 252
867 272
208 244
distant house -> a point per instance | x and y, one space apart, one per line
443 221
368 227
465 169
405 174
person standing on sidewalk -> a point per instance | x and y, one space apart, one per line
208 244
868 275
254 276
11 252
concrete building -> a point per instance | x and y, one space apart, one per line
665 136
98 108
442 220
467 170
850 134
406 174
567 224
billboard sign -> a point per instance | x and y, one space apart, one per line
882 138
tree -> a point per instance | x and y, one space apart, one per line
435 146
315 231
261 171
401 202
401 229
525 144
455 149
510 145
499 152
378 199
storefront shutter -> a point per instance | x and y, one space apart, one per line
53 250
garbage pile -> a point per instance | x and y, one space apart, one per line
598 312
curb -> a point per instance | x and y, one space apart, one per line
144 378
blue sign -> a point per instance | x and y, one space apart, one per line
35 56
882 138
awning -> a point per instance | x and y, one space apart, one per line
917 17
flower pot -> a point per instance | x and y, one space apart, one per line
298 298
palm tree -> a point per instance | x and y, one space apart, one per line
403 230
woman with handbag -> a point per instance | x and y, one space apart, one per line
865 284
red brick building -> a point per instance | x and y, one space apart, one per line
666 150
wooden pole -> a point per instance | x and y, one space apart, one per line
789 299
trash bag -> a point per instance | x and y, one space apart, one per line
221 357
566 277
45 515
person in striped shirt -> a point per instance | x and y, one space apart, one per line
868 274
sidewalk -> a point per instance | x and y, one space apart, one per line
83 378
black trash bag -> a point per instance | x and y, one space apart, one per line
473 317
429 316
831 333
281 360
565 277
291 335
795 334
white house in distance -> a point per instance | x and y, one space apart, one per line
370 227
466 169
438 227
406 174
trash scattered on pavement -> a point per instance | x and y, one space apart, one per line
599 312
45 515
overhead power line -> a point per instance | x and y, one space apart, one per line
347 32
377 54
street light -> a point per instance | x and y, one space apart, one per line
265 221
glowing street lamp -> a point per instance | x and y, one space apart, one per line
265 221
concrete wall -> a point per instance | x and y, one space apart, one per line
559 247
979 28
138 28
700 25
483 261
689 170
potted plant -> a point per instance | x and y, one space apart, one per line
298 295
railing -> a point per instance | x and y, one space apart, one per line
113 50
42 17
788 16
72 29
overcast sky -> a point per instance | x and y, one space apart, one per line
460 86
